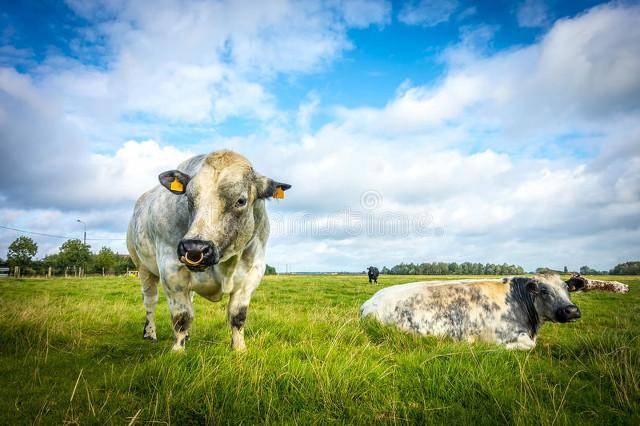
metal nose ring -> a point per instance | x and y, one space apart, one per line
191 262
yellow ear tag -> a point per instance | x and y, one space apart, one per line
279 193
176 185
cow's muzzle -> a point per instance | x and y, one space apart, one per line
197 255
568 313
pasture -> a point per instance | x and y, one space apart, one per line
71 351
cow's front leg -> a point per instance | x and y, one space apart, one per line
523 343
181 309
237 312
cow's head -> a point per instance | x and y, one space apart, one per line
576 282
220 198
551 298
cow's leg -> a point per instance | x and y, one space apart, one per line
523 343
178 294
237 312
181 309
150 300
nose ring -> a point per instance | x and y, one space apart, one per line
191 262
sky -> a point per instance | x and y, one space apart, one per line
489 131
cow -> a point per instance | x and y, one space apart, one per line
373 273
203 229
508 312
579 283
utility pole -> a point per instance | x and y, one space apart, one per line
85 231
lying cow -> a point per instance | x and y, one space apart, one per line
204 229
373 273
579 283
508 312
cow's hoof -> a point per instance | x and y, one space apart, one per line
239 347
152 339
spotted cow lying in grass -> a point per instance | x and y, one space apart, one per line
508 312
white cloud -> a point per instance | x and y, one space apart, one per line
487 153
532 13
584 70
191 62
428 13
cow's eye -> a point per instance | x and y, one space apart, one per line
241 202
544 291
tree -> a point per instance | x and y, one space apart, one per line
105 260
21 251
270 270
627 268
124 264
74 253
585 270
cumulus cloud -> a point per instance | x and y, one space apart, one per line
428 13
199 62
528 155
583 69
532 13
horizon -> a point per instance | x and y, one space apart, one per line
410 132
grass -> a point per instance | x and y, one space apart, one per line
71 351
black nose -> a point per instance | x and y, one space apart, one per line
568 313
197 254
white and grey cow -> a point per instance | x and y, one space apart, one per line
508 312
204 229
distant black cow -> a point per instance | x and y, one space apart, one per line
373 273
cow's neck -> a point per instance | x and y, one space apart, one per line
524 299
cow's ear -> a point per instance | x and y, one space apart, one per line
270 188
175 181
532 287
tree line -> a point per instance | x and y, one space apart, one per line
73 255
626 268
453 268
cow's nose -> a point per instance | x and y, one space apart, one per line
570 312
197 253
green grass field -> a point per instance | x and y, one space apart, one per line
72 352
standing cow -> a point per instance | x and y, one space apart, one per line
204 229
508 312
373 273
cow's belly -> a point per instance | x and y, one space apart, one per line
146 252
460 324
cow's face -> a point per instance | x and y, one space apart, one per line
220 198
552 299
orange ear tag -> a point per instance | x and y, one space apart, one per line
279 193
176 185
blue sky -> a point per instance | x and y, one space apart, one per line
510 127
